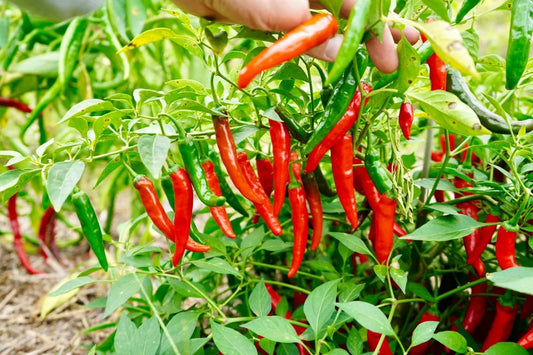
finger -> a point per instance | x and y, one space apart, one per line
328 50
411 34
383 54
196 8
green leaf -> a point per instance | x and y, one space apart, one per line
352 242
274 328
290 71
445 228
450 112
337 352
429 182
251 241
287 349
354 342
452 340
506 348
381 272
126 331
85 107
400 277
181 328
231 342
420 291
423 332
72 284
121 291
519 279
148 337
350 290
439 7
369 316
153 150
12 181
217 265
260 300
62 178
333 6
45 64
135 15
108 119
320 305
408 66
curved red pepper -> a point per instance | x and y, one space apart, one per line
405 119
485 236
383 221
309 34
281 151
300 218
183 204
17 237
501 326
47 234
219 213
266 209
18 105
373 340
505 248
345 123
312 194
527 340
228 154
341 167
265 171
476 308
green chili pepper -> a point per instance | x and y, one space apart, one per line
51 94
196 173
90 225
465 9
361 58
352 39
323 186
70 49
377 172
168 188
519 41
456 84
294 127
217 41
342 95
227 192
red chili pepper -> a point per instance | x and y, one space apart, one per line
501 326
373 340
384 217
527 307
505 248
485 236
265 210
47 234
437 69
527 340
299 216
157 213
475 309
405 119
421 349
281 151
228 153
312 194
17 237
309 34
345 123
341 167
265 171
183 203
219 213
21 106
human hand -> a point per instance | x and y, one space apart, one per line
58 10
283 15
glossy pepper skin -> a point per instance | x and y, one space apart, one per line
373 340
309 34
157 213
183 203
219 213
17 237
265 171
485 236
519 41
405 119
47 234
501 326
465 9
337 131
437 69
90 225
341 167
266 209
342 95
527 340
228 153
312 194
383 221
281 151
475 309
300 218
197 176
505 248
377 172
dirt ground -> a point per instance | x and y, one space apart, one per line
22 329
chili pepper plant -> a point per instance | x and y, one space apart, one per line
277 203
